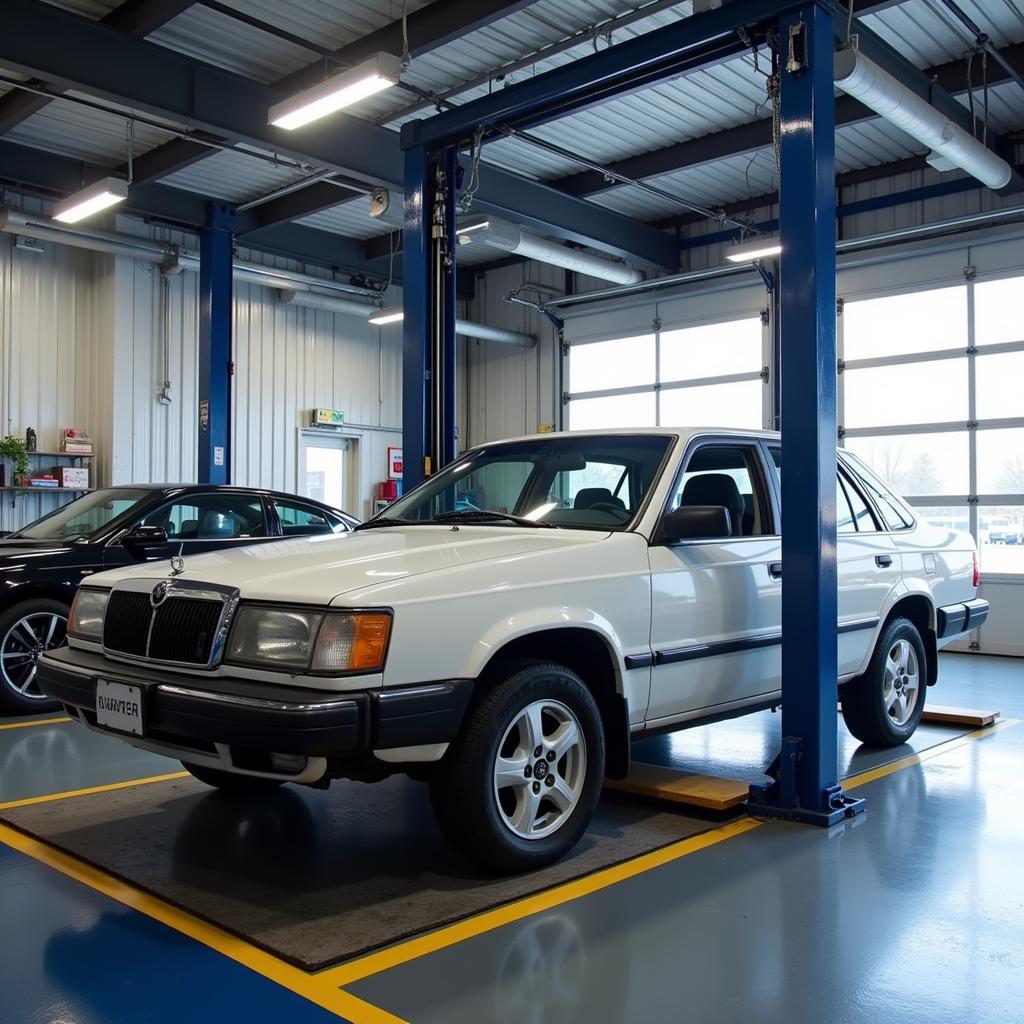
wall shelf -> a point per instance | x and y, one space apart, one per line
49 490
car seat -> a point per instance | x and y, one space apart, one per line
716 489
588 497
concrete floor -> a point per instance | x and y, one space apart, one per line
912 912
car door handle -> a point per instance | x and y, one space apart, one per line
883 560
775 570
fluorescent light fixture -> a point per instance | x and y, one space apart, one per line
100 195
340 90
757 248
469 225
388 315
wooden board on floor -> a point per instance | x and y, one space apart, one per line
707 791
958 716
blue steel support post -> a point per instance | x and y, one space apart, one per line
806 786
216 252
416 325
428 358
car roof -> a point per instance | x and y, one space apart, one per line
681 432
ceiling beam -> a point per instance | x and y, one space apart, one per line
73 52
47 175
136 17
304 202
745 138
432 26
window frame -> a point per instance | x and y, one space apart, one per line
760 474
181 499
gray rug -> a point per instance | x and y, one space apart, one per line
318 877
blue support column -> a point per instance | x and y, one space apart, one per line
428 355
216 245
806 772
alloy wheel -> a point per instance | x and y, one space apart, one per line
540 769
22 646
901 685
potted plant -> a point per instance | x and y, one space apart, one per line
13 448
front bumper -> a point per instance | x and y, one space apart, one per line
186 712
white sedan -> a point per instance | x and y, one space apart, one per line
506 628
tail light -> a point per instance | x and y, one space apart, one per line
977 570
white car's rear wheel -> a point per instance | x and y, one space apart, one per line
519 785
884 706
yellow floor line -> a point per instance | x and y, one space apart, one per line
266 964
490 919
863 778
107 788
36 721
373 963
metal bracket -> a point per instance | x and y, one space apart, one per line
840 306
779 799
565 398
656 324
972 424
765 317
970 272
972 350
841 431
764 374
796 62
973 499
840 366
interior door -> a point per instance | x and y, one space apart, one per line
324 469
716 610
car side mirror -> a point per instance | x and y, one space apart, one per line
694 522
144 542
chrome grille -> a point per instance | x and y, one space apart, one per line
175 622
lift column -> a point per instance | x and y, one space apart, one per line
428 356
216 257
806 772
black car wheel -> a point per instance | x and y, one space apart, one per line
884 706
519 785
26 631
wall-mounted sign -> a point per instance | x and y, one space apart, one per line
218 455
394 463
327 418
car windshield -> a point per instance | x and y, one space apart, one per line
80 519
595 482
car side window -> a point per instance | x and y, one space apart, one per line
893 514
844 514
300 520
727 475
214 516
863 517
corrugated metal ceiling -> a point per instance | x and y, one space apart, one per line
707 101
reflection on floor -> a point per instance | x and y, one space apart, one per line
911 913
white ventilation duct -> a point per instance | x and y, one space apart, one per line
511 239
331 304
864 80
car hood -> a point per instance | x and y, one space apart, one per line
316 570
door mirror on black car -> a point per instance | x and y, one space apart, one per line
145 542
694 522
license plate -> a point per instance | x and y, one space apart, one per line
119 707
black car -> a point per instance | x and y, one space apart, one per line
42 564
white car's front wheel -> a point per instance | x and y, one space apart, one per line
519 785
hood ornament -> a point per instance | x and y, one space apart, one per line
177 562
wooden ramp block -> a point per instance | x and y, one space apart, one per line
958 716
707 791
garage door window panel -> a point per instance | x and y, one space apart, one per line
906 324
1001 538
604 365
737 404
997 311
1001 461
1000 384
636 410
917 464
907 393
710 350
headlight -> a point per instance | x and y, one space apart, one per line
328 643
85 620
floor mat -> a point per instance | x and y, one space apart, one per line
318 877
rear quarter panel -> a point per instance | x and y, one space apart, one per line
939 558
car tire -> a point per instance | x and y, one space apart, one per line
883 707
19 689
231 782
492 795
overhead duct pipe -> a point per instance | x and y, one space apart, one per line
511 239
117 243
950 145
468 329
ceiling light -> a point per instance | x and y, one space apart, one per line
388 315
469 225
98 196
757 248
338 91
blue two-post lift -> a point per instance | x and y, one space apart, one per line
806 783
